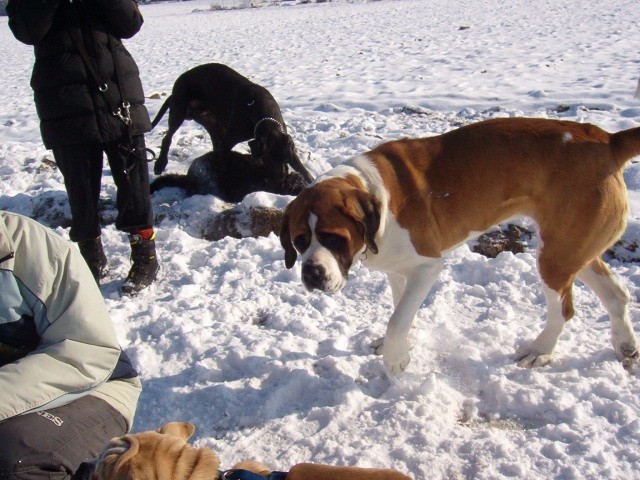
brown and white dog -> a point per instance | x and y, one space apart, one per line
164 454
407 202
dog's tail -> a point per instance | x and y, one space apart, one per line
163 109
171 180
625 145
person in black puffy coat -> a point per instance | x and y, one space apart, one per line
90 102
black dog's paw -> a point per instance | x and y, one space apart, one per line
159 165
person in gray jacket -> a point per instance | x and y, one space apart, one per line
66 386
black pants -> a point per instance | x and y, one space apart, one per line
81 166
50 445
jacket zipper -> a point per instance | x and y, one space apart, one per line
7 257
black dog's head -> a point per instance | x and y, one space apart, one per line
275 149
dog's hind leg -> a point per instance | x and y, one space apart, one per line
540 352
557 268
177 115
615 298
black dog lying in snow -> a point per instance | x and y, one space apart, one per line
232 109
233 177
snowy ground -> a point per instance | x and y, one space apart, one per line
230 340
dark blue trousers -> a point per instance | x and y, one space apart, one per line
50 445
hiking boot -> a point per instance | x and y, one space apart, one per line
144 267
93 254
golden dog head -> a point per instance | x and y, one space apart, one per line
163 454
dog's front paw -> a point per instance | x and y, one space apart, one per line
530 358
159 165
396 356
627 351
628 355
397 366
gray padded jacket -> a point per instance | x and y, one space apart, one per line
57 342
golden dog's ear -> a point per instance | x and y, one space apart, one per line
182 430
132 447
111 464
365 208
290 253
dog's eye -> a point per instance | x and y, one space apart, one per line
332 241
301 242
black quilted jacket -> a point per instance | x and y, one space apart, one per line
71 108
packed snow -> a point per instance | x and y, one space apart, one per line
230 340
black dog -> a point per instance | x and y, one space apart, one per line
232 109
232 177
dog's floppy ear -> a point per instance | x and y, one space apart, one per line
290 253
365 208
182 430
294 161
133 445
111 464
254 147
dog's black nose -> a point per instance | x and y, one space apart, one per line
313 275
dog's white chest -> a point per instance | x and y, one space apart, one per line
396 252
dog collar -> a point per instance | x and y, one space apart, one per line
247 475
266 119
